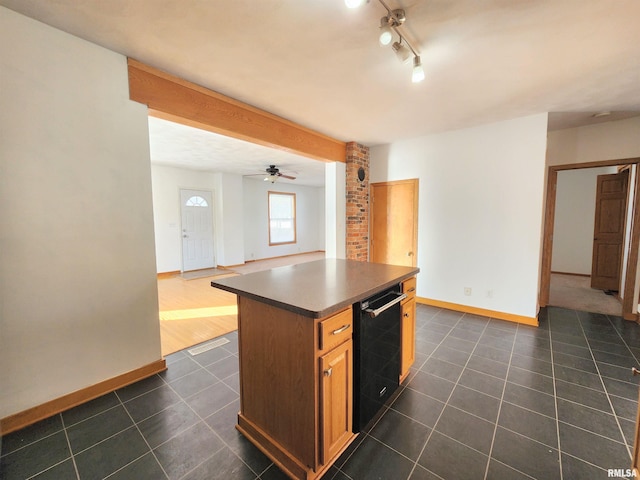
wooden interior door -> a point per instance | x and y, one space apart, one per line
608 235
394 222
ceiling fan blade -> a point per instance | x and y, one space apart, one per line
286 176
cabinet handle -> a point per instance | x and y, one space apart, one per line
341 329
327 373
412 289
406 315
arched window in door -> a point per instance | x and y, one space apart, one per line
196 201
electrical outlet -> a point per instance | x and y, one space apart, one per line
467 291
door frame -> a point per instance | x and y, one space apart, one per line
634 244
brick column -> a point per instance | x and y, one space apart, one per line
357 210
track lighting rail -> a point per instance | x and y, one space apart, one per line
392 22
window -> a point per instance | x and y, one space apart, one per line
282 218
196 201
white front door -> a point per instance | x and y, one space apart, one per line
197 230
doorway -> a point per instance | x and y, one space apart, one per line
630 253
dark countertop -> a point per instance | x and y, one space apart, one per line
317 289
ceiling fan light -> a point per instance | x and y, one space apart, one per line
402 52
418 72
270 178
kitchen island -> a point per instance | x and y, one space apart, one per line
296 335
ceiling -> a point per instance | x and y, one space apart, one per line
176 145
319 64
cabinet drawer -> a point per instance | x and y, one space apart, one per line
336 329
409 287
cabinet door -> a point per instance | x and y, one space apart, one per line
336 370
408 337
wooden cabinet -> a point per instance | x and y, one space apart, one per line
408 328
296 385
336 394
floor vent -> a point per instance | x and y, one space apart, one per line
208 346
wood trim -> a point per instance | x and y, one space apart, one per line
510 317
295 215
226 267
572 274
271 448
599 163
547 240
632 260
163 275
280 456
178 100
40 412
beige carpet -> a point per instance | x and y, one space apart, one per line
572 291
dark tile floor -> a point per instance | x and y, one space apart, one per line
486 400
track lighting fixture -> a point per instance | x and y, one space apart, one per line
353 3
386 34
402 52
389 25
418 71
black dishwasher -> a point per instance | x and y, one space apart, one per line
377 353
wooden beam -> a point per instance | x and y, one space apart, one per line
184 102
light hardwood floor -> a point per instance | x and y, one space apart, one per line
191 312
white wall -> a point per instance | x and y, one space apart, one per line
77 271
167 182
229 225
480 211
335 210
310 219
602 141
228 236
574 219
240 224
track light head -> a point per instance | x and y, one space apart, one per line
402 52
386 33
418 71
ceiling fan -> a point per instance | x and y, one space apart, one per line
272 174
